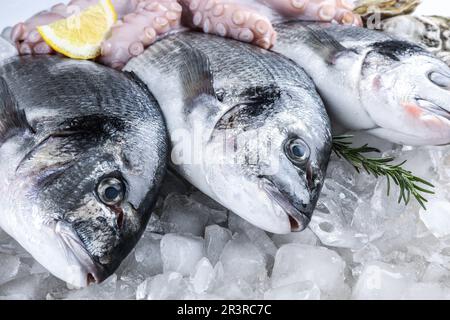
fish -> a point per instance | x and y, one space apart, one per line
371 81
83 152
247 126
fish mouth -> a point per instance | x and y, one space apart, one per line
75 251
298 219
433 108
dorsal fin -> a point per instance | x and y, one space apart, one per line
11 117
327 46
196 75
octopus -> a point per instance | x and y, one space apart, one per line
142 22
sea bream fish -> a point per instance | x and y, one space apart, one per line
371 81
247 126
83 151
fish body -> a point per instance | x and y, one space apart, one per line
83 150
247 126
372 81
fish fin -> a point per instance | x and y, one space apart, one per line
197 76
325 44
12 118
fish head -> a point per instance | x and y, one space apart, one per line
272 150
93 193
406 92
82 179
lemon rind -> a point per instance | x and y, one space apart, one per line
65 47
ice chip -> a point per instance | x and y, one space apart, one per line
216 238
9 267
242 260
368 253
182 214
382 281
180 253
323 267
30 287
257 236
332 220
203 276
148 254
167 286
437 218
217 213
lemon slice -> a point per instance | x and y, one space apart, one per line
80 36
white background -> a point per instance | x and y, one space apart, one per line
13 11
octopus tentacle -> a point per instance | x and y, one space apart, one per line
139 29
143 21
316 10
232 19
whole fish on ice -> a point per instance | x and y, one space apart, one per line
371 81
247 126
83 151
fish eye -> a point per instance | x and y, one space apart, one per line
111 191
297 151
439 79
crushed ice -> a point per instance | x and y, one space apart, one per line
360 245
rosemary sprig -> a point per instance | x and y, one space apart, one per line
409 184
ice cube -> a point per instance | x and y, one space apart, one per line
182 214
257 236
217 213
148 254
203 276
333 231
437 218
383 281
180 253
9 267
368 253
242 260
31 287
435 273
305 237
332 220
167 286
216 238
306 290
296 263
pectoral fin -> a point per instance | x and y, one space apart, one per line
324 44
197 77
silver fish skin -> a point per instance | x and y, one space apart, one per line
83 151
247 126
372 81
